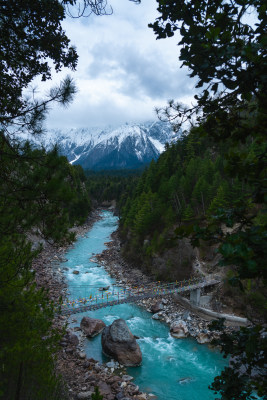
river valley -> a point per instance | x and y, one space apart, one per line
172 369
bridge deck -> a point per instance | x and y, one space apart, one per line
158 291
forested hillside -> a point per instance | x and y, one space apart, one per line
41 194
187 184
223 44
195 201
107 186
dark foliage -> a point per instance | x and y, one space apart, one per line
110 185
40 194
30 32
228 56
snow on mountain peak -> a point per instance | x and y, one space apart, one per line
126 146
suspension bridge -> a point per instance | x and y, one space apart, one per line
113 295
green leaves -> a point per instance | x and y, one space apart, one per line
247 348
228 56
26 55
28 340
224 52
40 194
213 33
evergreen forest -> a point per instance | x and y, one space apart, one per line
206 191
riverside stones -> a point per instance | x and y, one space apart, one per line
84 395
203 338
91 326
72 339
179 329
119 343
156 307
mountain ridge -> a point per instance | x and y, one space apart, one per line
126 146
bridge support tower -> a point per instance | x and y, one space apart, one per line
195 296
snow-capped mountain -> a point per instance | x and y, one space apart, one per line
128 146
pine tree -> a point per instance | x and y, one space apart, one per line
200 194
188 213
219 201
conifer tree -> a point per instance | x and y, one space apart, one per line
188 213
227 54
219 201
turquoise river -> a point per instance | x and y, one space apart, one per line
172 369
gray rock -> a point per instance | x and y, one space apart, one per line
91 326
84 395
97 367
72 339
127 378
179 329
104 388
102 289
118 342
76 329
120 396
186 316
112 364
133 389
156 307
203 338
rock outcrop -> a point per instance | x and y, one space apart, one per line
179 329
91 326
119 343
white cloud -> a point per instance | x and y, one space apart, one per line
123 71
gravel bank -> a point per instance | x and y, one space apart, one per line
167 308
80 374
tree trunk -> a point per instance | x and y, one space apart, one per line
19 383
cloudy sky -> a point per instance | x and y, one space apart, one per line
123 72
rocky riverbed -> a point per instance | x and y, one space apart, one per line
182 322
81 375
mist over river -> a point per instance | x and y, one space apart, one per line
172 369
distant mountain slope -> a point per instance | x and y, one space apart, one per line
128 146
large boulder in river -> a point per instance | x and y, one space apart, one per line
179 329
91 326
119 343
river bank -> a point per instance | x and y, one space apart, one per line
74 362
79 373
169 309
